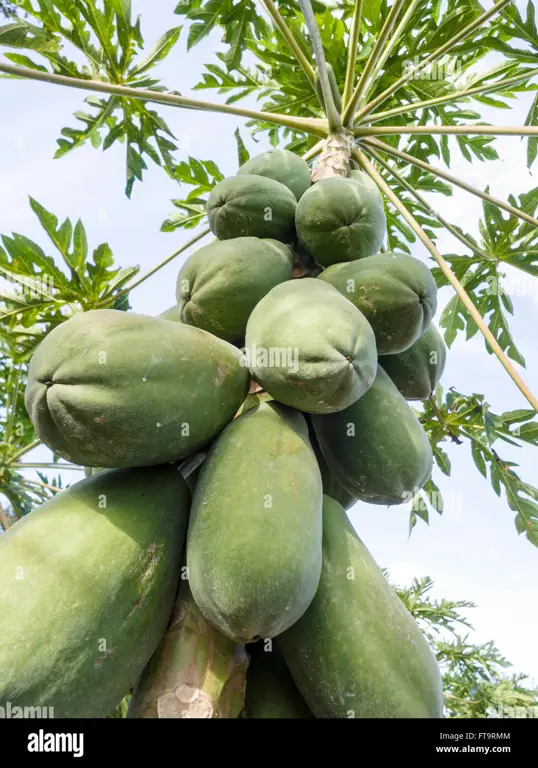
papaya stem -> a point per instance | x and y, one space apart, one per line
315 126
451 277
351 106
190 465
24 450
44 485
429 209
335 158
413 71
352 50
449 130
432 402
314 151
452 97
45 465
111 299
452 179
394 40
333 116
287 34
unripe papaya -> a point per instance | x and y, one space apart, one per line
252 206
417 371
396 293
334 89
331 486
376 448
220 284
271 692
340 220
87 584
357 651
367 183
116 389
310 348
254 540
283 166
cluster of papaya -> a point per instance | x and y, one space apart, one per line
213 553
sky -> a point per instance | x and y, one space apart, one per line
472 552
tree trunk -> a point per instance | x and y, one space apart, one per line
195 673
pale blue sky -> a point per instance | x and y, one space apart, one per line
473 552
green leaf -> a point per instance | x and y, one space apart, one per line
159 52
242 152
80 246
532 146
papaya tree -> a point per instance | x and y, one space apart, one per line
475 678
361 97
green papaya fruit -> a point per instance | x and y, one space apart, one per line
252 206
331 486
271 692
376 448
340 220
396 293
334 89
254 539
195 672
117 389
367 182
87 584
357 652
173 314
310 348
220 284
283 166
417 371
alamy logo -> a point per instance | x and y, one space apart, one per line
13 712
56 742
255 357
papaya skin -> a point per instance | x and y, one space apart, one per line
376 449
357 652
254 539
331 486
219 285
334 351
283 166
87 584
252 206
117 389
395 292
271 692
417 371
340 220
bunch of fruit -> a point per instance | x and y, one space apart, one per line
213 553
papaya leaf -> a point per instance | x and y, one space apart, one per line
532 146
160 51
191 215
242 152
37 295
468 418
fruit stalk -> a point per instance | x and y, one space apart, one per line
195 673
